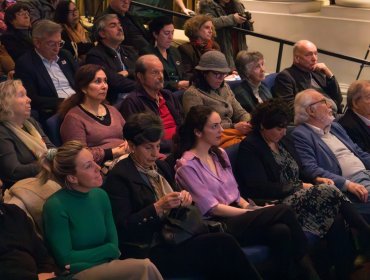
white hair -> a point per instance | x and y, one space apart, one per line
302 100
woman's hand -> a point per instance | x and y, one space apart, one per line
185 198
120 150
307 185
243 127
167 202
321 180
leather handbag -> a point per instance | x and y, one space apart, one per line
183 223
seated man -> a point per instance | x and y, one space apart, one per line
22 253
136 34
118 61
306 73
356 120
47 72
150 96
325 150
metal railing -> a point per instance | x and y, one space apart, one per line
281 42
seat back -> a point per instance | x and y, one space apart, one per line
53 129
269 80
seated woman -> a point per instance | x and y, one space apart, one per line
162 30
142 192
88 119
226 14
74 34
265 169
78 223
205 171
209 88
251 69
201 33
17 39
22 140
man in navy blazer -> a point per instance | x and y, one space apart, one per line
47 71
325 150
356 120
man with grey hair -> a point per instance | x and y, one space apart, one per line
47 71
306 72
324 149
118 60
356 120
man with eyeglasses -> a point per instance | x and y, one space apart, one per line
151 97
47 71
356 120
306 72
324 149
118 60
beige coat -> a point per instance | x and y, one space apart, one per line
221 100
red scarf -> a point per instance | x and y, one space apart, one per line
203 46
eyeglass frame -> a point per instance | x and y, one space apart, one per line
74 11
51 44
324 101
218 75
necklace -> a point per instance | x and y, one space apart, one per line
99 117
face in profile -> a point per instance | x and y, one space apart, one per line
306 57
21 105
73 14
87 174
212 130
22 20
320 110
257 73
206 31
152 79
120 6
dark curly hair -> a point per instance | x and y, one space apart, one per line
271 113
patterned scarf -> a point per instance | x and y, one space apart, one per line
203 46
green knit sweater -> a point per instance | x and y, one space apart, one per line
79 228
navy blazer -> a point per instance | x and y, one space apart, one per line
36 79
356 129
315 157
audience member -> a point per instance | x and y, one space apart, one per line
205 171
4 4
47 71
356 120
41 9
325 150
151 97
89 120
226 13
265 169
251 69
201 33
75 36
209 88
17 39
162 29
22 141
305 73
142 192
78 221
118 60
22 253
136 34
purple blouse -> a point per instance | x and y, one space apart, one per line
207 188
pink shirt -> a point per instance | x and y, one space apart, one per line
207 189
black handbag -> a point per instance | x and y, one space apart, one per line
183 223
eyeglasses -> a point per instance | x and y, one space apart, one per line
52 44
322 101
22 13
74 11
218 75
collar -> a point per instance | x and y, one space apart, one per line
47 60
364 119
319 131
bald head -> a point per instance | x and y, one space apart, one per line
149 73
305 55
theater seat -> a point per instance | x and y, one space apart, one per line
53 129
269 80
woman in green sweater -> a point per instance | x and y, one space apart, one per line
78 222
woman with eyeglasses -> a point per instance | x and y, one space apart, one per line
76 37
17 39
266 169
209 88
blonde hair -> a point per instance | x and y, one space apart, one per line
8 90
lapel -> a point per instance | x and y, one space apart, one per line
41 70
214 95
358 122
65 67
